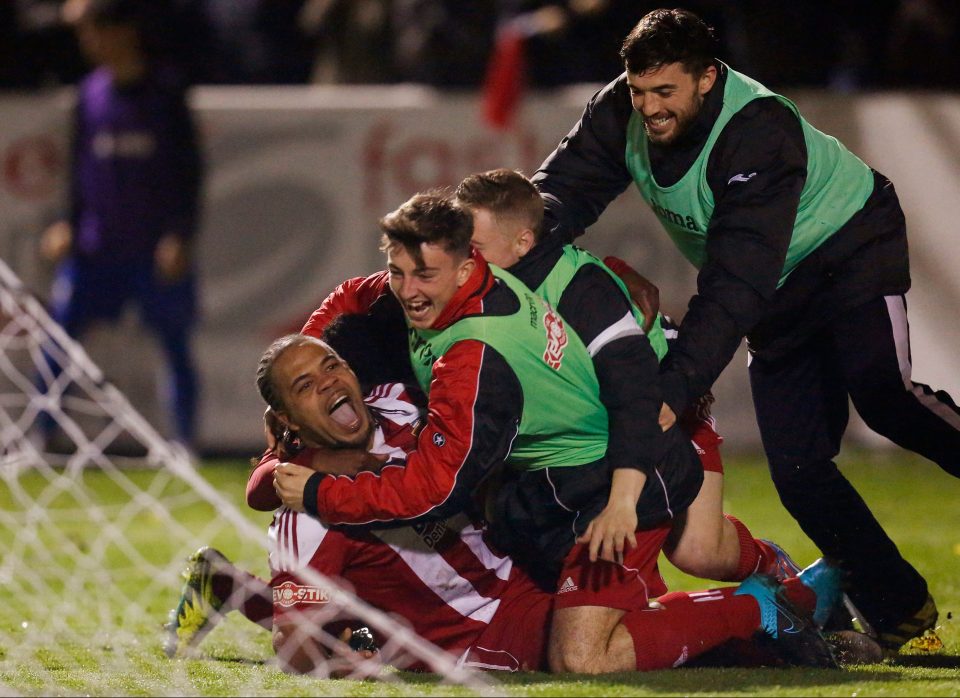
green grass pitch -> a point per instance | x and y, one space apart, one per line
915 501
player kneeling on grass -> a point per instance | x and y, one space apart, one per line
508 217
396 570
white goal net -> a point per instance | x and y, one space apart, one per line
98 514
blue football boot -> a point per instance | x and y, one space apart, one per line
795 636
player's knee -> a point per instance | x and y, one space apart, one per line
575 660
580 639
573 655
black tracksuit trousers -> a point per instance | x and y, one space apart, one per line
802 410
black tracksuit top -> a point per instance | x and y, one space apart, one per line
748 235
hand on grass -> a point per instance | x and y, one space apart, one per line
352 663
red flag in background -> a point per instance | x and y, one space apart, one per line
504 81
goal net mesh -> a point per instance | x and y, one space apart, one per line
98 514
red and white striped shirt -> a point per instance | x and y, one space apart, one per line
442 577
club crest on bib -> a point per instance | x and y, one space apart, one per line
556 338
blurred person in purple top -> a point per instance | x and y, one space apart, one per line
134 191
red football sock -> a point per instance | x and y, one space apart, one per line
751 552
688 625
246 593
768 559
258 605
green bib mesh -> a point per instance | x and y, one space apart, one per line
837 186
563 421
566 268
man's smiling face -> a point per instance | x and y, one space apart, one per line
669 99
425 286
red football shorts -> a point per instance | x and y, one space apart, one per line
626 586
516 638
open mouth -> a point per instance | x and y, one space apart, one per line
659 124
417 310
342 412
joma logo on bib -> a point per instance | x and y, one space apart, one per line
674 218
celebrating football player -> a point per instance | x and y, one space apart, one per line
444 578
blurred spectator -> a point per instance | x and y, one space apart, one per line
134 192
188 40
573 41
924 47
36 49
861 35
252 41
444 43
353 40
788 43
568 42
449 43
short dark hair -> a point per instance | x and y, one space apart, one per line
669 36
504 193
432 217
